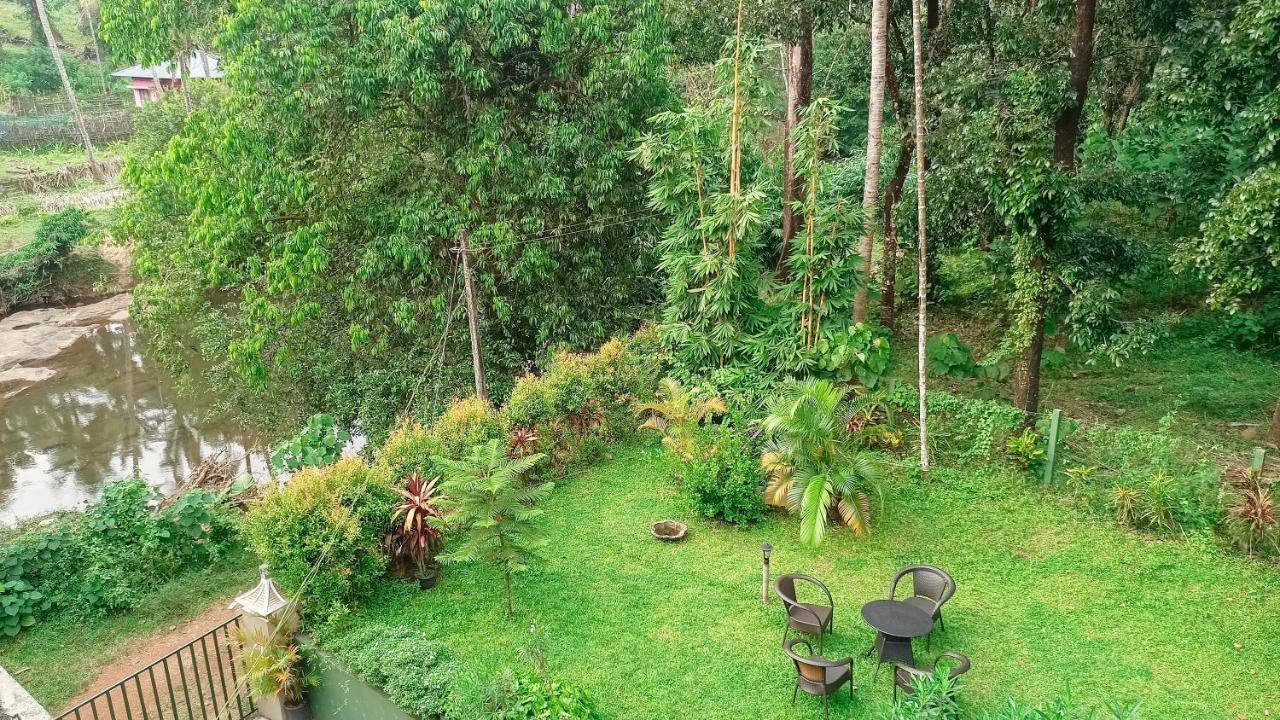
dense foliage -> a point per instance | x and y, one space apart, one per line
327 212
24 271
416 672
322 534
723 476
104 559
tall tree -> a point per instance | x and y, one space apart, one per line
797 58
875 130
1066 139
74 104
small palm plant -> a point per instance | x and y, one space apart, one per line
274 664
813 461
487 500
676 414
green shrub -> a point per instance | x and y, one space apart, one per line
319 443
416 673
530 697
860 351
333 518
102 560
465 424
724 478
29 268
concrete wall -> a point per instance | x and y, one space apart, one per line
343 696
16 703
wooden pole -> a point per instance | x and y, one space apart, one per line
473 318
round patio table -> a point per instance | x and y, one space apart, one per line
896 623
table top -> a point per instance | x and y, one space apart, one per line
897 618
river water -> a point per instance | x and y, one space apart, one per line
95 410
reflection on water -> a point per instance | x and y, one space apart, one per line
109 413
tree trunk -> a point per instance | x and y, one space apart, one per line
511 603
66 87
1066 138
889 255
797 75
875 125
917 44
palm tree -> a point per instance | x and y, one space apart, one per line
813 463
66 87
484 497
677 414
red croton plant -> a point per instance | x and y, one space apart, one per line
415 535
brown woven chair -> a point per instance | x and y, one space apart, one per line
817 675
931 588
808 618
904 675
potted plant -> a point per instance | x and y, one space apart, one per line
275 666
415 536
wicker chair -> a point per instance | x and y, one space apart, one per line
802 617
931 588
817 675
904 674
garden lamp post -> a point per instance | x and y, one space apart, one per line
766 550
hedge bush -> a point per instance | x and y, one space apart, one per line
417 673
337 513
102 560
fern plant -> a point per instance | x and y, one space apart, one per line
487 501
813 461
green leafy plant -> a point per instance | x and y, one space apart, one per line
1026 450
1157 508
812 461
320 443
417 523
417 673
861 351
677 413
524 697
275 665
1124 502
494 511
723 476
932 697
947 356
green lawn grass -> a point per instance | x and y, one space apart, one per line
1047 601
57 658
